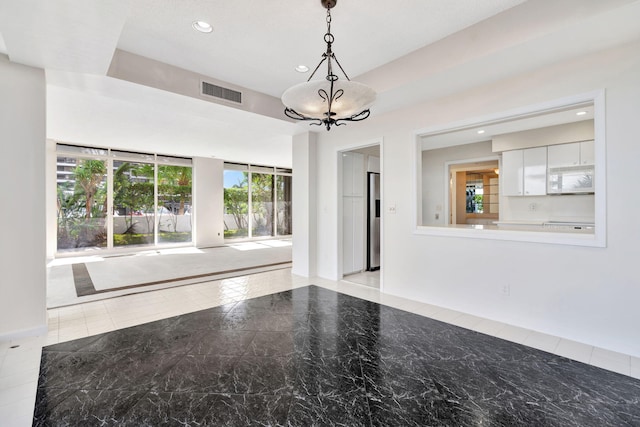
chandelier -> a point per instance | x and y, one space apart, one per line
330 101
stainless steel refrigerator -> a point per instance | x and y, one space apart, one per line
373 221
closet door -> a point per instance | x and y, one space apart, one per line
353 216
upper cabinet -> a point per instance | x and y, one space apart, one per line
524 172
574 154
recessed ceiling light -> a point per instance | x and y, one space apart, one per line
480 131
581 113
302 68
203 27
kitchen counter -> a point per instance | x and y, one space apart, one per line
548 226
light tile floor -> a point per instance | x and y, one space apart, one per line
20 359
167 268
367 278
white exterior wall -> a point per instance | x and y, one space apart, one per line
22 246
585 294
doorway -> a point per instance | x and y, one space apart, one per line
360 215
474 195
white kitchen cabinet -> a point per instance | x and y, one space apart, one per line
574 154
512 173
587 153
524 172
535 171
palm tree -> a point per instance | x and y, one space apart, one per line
177 181
89 174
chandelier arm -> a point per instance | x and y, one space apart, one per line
341 69
293 114
355 118
324 58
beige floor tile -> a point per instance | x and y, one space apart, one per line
52 338
635 367
467 321
446 315
489 327
426 310
611 360
541 341
19 375
574 350
18 413
514 334
17 393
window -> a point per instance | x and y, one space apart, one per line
174 201
257 201
262 203
236 201
283 205
81 203
150 198
133 201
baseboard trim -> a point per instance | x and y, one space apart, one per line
36 331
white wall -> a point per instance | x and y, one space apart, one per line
581 293
208 194
22 246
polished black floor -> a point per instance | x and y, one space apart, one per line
316 357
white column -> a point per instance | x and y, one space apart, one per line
22 246
208 194
304 205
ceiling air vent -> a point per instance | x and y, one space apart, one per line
221 92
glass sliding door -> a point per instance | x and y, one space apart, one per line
283 205
262 204
81 203
174 201
112 199
133 201
236 201
257 201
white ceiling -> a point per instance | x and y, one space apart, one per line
470 134
257 43
408 50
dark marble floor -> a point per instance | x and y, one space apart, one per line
316 357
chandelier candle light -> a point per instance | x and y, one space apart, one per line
330 101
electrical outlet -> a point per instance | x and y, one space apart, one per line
533 207
437 216
506 290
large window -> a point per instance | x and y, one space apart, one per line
81 202
174 201
236 201
108 198
262 204
257 201
283 204
133 201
